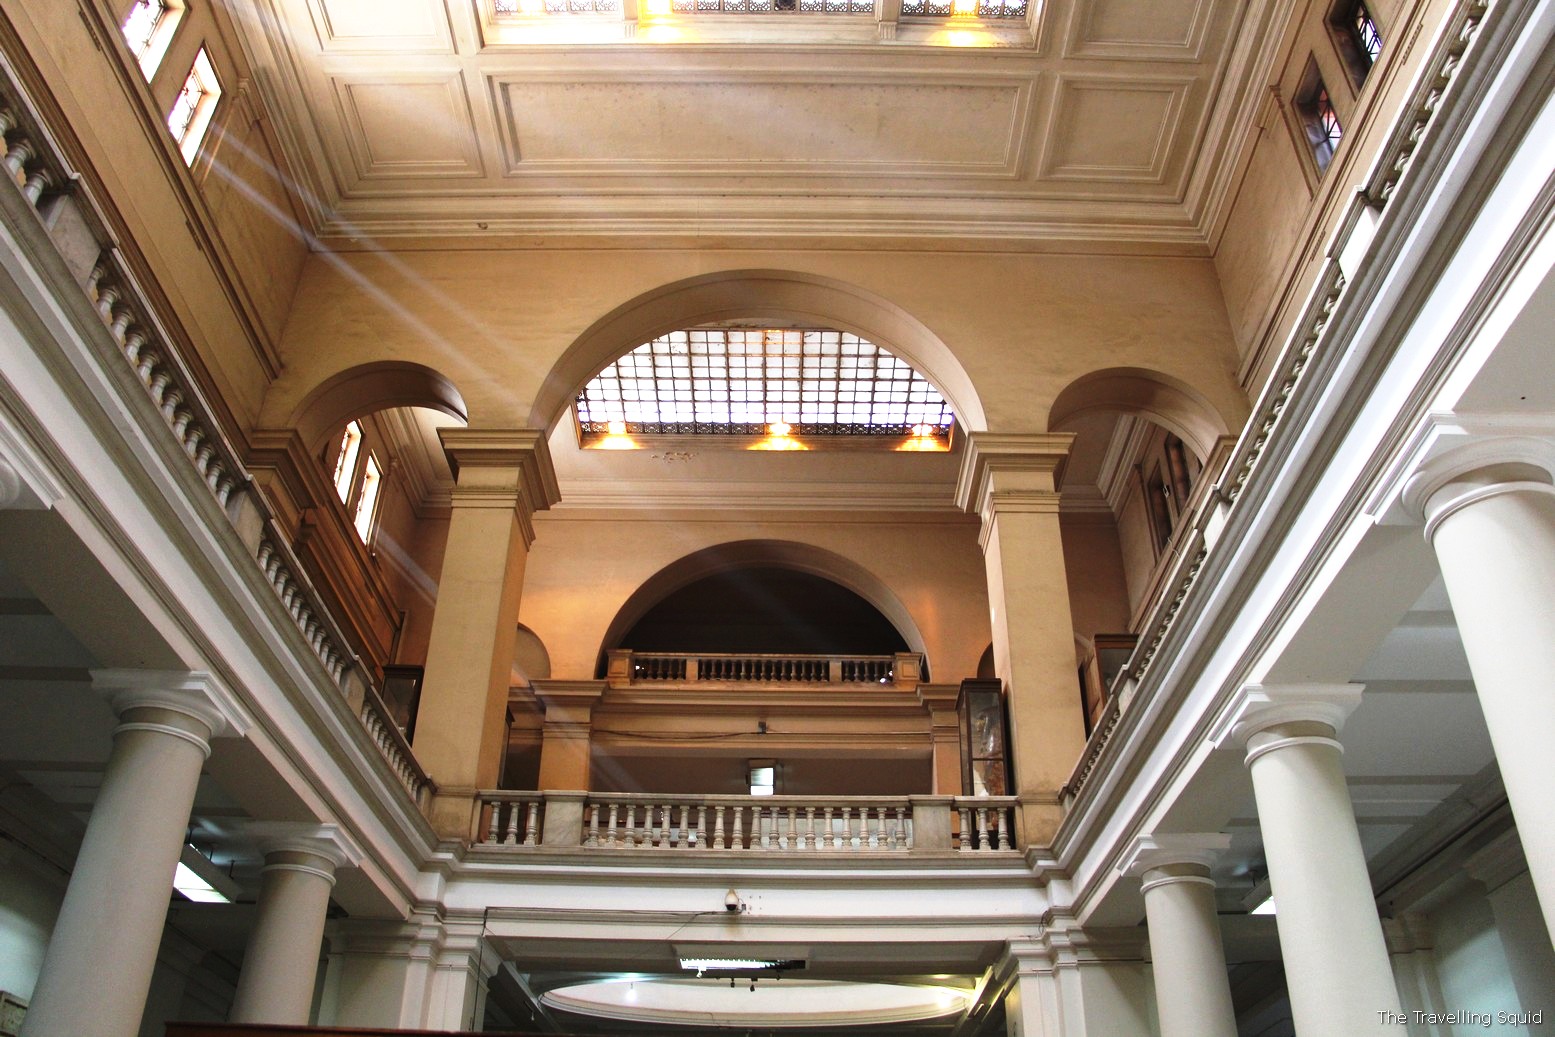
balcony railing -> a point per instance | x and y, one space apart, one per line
902 671
75 222
606 822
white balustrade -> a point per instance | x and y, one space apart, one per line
639 668
761 824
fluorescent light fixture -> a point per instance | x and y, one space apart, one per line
727 964
195 888
1265 908
199 878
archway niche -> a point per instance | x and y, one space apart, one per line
723 598
1143 441
361 460
784 298
761 555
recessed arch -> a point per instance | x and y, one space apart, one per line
778 554
1170 403
782 297
369 388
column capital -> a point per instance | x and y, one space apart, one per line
24 483
10 485
193 693
1258 707
501 468
1166 849
1476 468
329 842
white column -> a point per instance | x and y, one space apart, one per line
1414 973
1503 870
1336 962
97 970
281 962
1192 988
1033 1007
1493 528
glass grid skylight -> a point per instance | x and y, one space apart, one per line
737 381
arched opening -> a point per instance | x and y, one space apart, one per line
764 610
762 602
363 464
1142 444
778 298
794 557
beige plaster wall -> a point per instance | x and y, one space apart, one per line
230 288
1022 326
1283 212
582 568
1093 562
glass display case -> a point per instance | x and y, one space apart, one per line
985 765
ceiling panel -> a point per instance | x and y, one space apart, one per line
411 126
376 26
744 125
1114 129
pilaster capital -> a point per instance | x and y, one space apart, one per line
1498 862
1407 933
501 468
1168 849
568 702
1258 707
1014 469
195 694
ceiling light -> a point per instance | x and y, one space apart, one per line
197 877
780 428
193 887
616 428
728 964
1265 908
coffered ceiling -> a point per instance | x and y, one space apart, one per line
1099 122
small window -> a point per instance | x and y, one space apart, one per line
763 777
358 478
367 499
148 29
192 110
1356 37
1319 121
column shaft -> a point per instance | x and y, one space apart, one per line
280 965
1497 556
1192 989
1336 962
97 970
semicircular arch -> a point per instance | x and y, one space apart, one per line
1172 404
776 554
369 388
783 297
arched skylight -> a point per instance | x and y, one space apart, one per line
740 381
